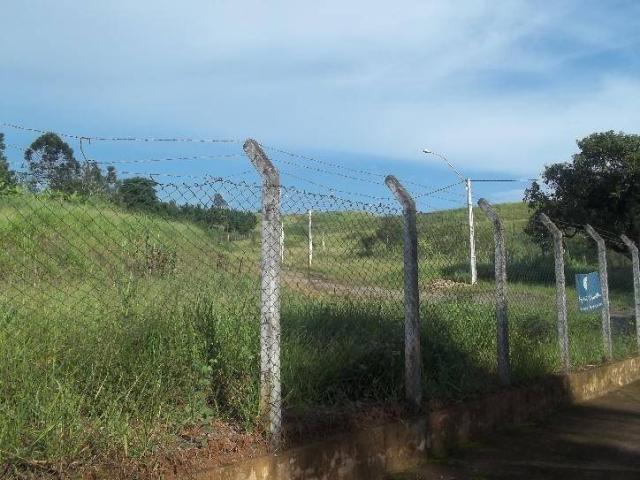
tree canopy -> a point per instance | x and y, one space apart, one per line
7 176
599 186
138 193
52 164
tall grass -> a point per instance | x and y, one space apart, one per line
120 329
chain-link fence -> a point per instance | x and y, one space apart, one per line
461 335
588 329
162 302
342 300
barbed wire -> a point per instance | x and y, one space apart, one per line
339 166
322 162
81 138
438 190
179 175
169 159
358 204
351 177
209 177
319 170
445 199
504 180
21 164
122 139
333 189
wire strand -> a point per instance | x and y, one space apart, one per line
122 139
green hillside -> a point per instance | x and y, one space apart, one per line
119 329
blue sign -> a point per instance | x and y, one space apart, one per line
589 291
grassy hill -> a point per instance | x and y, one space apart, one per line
119 329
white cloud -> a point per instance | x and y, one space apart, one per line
365 76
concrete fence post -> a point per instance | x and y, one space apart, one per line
604 283
270 391
472 235
633 249
412 354
561 293
281 242
504 369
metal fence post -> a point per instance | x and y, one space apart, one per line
636 281
561 294
504 370
270 392
412 355
604 283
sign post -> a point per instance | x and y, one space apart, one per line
589 292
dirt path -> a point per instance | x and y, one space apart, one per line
437 291
313 284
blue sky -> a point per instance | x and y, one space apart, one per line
500 87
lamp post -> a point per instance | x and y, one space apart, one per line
472 236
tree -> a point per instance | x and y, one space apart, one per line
7 176
138 193
241 222
112 177
218 214
92 180
600 186
219 202
52 164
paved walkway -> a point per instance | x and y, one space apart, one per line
599 439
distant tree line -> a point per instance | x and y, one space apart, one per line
52 166
139 193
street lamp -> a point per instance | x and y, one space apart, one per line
431 152
472 239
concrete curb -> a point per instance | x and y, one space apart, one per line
401 445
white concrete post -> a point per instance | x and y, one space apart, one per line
270 390
633 249
412 354
504 368
472 235
310 241
561 294
604 283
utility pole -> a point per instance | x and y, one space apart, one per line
472 237
310 241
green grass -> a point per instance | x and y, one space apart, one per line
119 329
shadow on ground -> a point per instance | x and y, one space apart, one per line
599 439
